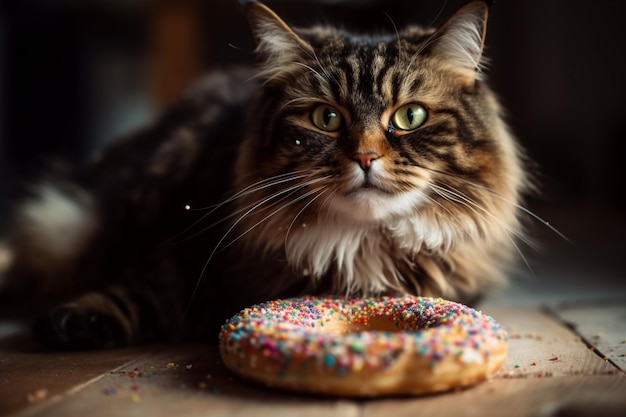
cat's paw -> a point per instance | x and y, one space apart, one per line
67 328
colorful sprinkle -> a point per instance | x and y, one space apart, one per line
38 395
369 333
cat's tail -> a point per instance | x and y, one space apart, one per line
47 232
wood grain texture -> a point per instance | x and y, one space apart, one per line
550 371
186 380
29 376
601 325
540 345
582 395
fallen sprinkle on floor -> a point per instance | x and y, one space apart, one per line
39 395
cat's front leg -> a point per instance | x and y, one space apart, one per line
116 316
92 321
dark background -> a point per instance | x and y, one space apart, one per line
75 75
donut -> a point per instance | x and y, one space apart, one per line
363 347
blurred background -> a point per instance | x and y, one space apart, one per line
75 75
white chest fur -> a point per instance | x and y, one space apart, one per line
364 257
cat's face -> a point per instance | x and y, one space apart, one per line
371 129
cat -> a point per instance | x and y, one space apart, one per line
341 164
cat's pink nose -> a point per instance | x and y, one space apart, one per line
365 158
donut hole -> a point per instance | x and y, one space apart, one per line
375 323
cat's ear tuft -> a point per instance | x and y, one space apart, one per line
276 41
461 39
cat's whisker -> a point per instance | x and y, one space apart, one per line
432 200
432 38
288 232
524 210
469 203
328 74
324 204
239 211
453 200
282 192
444 208
262 202
459 197
439 12
281 208
265 183
512 203
239 220
395 29
317 74
258 186
302 102
313 56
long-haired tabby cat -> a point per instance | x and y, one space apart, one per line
343 163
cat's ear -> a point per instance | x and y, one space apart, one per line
276 42
461 39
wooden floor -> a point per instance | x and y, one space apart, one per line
564 360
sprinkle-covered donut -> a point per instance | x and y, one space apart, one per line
363 347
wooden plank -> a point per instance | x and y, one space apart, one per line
582 395
186 380
540 345
602 325
191 380
29 376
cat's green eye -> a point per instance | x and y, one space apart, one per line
409 117
327 118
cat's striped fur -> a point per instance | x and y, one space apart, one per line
282 205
